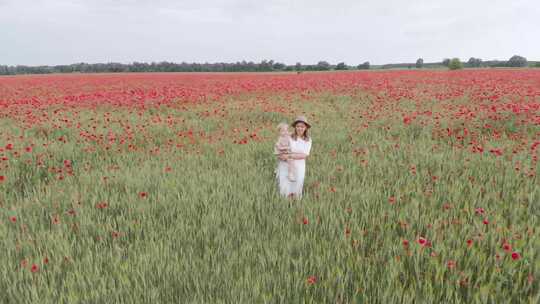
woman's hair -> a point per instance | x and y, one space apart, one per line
305 137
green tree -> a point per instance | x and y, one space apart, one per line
517 61
419 63
446 61
364 66
455 64
323 66
266 65
474 62
341 66
278 66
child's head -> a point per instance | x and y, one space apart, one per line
283 128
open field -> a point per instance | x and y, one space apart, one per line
159 188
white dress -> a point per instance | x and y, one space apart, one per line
287 187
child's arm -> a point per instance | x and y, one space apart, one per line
277 149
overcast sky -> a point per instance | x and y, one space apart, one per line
50 32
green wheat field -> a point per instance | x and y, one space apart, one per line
407 199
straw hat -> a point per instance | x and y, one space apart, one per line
301 118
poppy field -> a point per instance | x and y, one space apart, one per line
421 186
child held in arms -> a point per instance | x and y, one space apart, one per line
282 146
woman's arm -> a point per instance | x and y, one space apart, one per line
283 156
298 156
305 149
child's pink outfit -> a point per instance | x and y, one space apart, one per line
283 146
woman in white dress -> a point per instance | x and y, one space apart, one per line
300 144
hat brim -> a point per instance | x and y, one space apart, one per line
297 121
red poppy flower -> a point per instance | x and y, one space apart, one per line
305 221
407 120
102 205
516 256
2 178
312 280
143 194
497 152
55 220
422 241
35 268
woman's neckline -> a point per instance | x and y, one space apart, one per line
300 139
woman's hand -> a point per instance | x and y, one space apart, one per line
283 156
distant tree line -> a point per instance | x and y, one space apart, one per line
113 67
514 61
244 66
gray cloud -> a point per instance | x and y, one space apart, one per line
66 31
